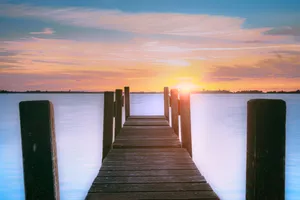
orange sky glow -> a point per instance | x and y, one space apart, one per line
218 53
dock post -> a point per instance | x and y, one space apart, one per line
166 103
118 118
39 150
185 121
127 102
174 110
108 123
265 176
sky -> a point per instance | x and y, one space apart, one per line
101 45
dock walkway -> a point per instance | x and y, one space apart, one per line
147 162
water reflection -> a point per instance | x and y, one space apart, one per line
218 133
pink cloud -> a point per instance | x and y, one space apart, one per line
45 31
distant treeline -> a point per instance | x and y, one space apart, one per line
202 91
45 91
40 91
244 92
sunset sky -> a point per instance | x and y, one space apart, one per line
95 45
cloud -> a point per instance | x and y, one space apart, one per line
56 54
176 24
174 62
46 31
290 31
283 67
76 80
288 52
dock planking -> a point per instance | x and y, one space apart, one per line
147 162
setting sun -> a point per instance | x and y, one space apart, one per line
186 86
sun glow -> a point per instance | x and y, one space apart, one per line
186 87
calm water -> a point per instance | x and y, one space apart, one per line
218 131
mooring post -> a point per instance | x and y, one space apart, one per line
118 118
166 103
265 177
39 150
107 123
127 102
174 110
185 121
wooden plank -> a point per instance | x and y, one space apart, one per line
147 120
147 117
128 158
150 187
118 117
174 110
127 101
150 173
150 179
185 120
166 103
147 153
149 145
152 142
148 137
152 133
166 165
148 162
107 123
146 123
146 128
203 195
39 150
149 167
148 132
158 150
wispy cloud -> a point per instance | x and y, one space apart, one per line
45 31
178 24
201 25
287 30
282 67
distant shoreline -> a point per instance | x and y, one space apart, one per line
195 92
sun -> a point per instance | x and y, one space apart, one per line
186 86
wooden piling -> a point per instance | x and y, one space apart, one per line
174 110
118 118
265 177
127 102
39 150
107 123
166 103
185 122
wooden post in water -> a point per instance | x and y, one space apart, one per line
265 177
39 150
166 103
107 123
174 110
118 111
127 102
185 121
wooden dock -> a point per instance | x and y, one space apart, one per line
145 159
147 162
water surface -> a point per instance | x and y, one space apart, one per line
218 132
